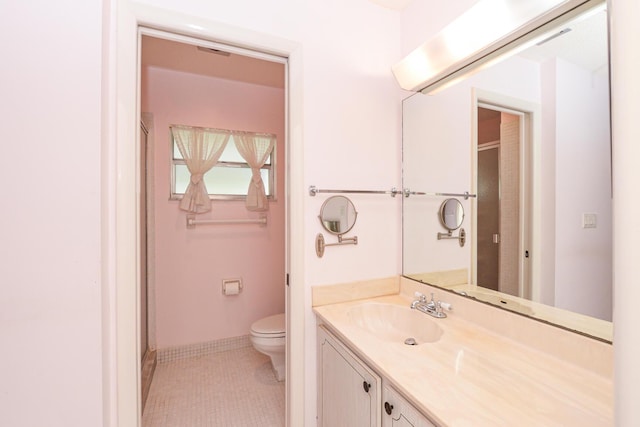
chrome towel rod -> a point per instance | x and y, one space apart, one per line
313 190
192 222
408 193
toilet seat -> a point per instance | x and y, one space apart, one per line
269 327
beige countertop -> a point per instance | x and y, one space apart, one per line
474 377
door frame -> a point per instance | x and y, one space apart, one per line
121 329
147 119
530 195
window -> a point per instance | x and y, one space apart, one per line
227 180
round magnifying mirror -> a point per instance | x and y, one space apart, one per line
338 215
451 214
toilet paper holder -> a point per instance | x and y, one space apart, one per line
231 286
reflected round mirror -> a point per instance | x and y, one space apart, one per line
451 214
338 215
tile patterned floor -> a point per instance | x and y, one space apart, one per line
235 388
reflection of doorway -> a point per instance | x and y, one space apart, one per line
501 246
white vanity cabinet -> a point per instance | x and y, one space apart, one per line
348 390
397 412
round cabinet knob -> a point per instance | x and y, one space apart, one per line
366 386
388 408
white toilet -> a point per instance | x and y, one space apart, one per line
268 336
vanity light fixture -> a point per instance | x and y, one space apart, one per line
449 54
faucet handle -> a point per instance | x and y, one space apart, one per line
420 296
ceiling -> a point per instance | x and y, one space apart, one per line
188 58
392 4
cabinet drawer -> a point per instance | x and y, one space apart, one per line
398 412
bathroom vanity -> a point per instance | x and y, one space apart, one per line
353 394
459 373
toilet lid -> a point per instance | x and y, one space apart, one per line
272 325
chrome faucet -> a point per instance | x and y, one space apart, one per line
432 308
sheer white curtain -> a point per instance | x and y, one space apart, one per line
201 148
255 149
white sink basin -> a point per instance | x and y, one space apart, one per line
394 323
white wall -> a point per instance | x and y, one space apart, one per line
583 265
625 62
50 223
547 291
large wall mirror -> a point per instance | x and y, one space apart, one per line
530 135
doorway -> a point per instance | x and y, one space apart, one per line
193 84
502 244
122 401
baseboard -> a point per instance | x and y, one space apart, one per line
202 349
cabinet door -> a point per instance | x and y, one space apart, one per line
348 391
397 412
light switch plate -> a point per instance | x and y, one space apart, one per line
589 220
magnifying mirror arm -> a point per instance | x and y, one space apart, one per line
320 243
461 237
345 240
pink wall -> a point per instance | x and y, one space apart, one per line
191 263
